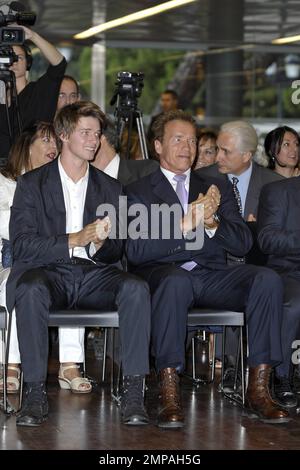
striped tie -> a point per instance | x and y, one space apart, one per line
236 193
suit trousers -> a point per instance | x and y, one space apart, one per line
81 287
71 340
290 330
257 291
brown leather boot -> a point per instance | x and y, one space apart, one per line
170 413
258 398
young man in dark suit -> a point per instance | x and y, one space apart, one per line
180 276
65 257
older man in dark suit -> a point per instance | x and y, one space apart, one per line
64 257
180 276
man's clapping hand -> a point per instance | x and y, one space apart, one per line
96 233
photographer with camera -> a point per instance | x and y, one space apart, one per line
37 100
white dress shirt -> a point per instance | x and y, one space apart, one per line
74 198
112 169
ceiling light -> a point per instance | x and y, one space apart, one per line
286 40
139 15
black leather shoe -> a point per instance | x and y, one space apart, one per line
228 381
35 407
296 379
132 401
283 393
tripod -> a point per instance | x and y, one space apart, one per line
11 96
125 116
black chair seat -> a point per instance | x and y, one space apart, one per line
214 317
91 318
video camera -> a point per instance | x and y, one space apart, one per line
11 35
129 87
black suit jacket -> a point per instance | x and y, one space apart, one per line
232 234
279 224
259 177
132 170
38 221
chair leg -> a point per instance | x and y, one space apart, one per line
112 371
84 366
213 365
104 354
223 356
115 382
193 359
237 361
242 365
7 407
21 390
239 358
4 372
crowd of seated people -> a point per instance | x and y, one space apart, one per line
57 253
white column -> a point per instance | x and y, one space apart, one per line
99 57
98 74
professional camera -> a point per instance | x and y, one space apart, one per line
14 13
7 57
129 87
11 35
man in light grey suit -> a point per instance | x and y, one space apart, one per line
237 143
108 160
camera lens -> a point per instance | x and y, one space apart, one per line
9 35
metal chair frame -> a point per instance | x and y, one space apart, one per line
109 320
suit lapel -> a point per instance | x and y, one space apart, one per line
162 188
124 174
53 188
252 192
197 185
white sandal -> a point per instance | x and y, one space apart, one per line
74 384
12 380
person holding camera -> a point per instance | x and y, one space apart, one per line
37 100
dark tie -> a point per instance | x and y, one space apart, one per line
230 258
181 191
236 193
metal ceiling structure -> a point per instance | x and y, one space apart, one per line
188 27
